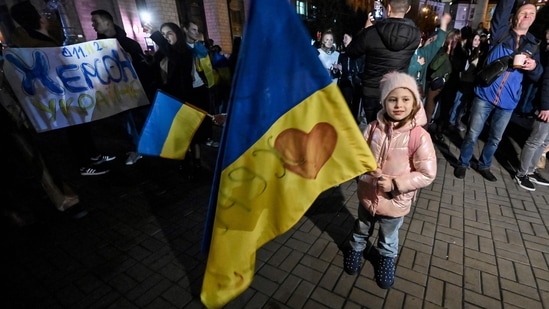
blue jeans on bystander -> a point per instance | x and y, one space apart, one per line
480 111
457 109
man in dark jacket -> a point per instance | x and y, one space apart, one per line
500 98
388 45
103 23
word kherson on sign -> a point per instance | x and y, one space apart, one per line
63 86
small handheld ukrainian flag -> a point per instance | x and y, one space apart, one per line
288 137
169 128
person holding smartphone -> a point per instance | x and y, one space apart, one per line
387 43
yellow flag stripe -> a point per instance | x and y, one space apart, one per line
269 188
184 126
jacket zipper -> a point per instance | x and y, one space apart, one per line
500 89
506 76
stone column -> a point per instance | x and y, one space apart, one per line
480 14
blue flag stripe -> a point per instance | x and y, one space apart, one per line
280 91
162 114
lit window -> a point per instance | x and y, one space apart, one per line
300 7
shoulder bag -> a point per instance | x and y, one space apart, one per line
488 73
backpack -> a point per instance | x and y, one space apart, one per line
439 70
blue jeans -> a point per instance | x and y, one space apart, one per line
387 243
480 111
457 109
533 148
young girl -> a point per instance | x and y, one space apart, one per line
406 162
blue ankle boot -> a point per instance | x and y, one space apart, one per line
352 261
385 272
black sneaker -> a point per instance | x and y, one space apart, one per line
460 171
538 179
101 158
439 138
487 174
525 183
93 171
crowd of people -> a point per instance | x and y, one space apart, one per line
446 64
443 72
402 88
183 66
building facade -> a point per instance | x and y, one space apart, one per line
465 12
219 20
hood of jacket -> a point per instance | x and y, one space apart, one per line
397 33
386 46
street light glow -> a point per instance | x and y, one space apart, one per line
146 17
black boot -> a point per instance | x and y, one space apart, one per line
187 168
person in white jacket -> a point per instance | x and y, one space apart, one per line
328 55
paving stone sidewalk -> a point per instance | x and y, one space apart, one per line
466 244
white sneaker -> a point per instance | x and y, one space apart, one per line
93 171
133 157
101 159
212 143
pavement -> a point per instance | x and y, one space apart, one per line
134 242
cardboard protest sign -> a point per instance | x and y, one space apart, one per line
67 85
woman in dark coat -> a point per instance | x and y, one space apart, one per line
173 61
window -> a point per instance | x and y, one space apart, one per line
301 8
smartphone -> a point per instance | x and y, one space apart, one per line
379 11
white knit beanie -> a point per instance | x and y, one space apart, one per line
393 80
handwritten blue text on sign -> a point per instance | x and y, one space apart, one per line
62 86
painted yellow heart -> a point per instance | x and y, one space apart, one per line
305 153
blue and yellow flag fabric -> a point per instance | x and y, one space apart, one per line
288 137
204 64
169 128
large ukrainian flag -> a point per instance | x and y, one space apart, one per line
288 137
169 128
